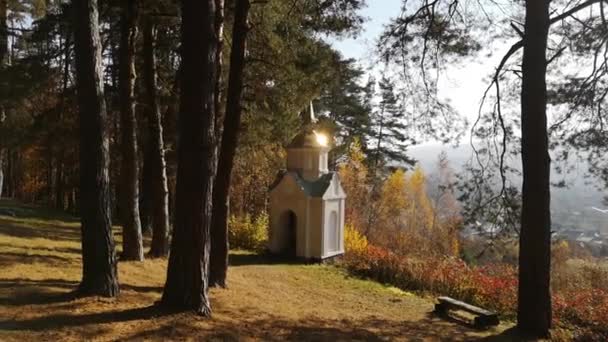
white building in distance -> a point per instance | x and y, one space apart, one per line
307 202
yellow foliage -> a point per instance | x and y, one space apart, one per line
560 252
393 194
353 176
392 207
254 171
247 233
354 241
421 211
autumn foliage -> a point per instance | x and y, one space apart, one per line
396 212
401 233
491 286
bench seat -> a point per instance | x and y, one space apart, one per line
483 318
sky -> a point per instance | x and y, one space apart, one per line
462 85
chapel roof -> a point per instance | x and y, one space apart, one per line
318 187
315 188
305 139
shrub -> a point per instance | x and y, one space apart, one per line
354 242
492 286
247 233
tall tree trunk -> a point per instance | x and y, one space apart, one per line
145 193
534 303
3 85
60 175
99 276
187 274
1 169
232 121
219 29
159 191
59 185
132 242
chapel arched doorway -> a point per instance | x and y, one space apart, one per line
289 224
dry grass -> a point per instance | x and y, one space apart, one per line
266 300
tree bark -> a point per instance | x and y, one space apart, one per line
1 169
187 274
159 201
132 242
60 174
232 120
3 85
145 193
219 29
534 303
99 276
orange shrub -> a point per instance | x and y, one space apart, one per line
491 286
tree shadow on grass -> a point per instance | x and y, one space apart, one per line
68 250
251 325
11 258
38 298
139 288
17 209
43 283
50 291
54 322
249 259
45 231
35 292
511 334
268 327
247 323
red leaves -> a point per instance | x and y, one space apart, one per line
586 308
492 286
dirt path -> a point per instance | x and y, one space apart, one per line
40 264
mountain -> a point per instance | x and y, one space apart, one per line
572 205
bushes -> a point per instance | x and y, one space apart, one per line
492 286
354 241
247 233
587 309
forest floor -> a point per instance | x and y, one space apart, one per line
266 299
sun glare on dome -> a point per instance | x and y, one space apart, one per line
322 139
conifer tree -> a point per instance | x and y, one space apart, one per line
390 140
132 236
187 284
98 255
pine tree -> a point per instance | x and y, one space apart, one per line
154 161
3 85
98 255
534 296
231 127
390 140
343 102
187 274
132 247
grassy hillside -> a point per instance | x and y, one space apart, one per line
268 300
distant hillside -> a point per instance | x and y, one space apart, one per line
572 206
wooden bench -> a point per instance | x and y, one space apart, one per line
483 318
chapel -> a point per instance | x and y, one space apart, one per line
307 202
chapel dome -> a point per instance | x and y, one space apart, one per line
308 139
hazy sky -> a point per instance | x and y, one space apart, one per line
462 85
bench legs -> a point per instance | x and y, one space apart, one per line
441 309
485 321
479 322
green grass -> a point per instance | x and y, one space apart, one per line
267 298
